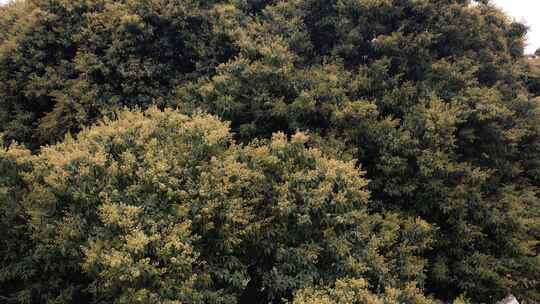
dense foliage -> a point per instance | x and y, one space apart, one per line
532 77
63 64
157 207
433 98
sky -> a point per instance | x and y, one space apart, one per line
528 12
525 11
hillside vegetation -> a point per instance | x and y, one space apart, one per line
265 151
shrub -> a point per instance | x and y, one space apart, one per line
159 207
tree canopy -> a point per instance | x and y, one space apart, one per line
158 207
433 99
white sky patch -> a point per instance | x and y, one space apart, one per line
527 12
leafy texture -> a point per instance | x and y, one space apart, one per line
158 207
434 98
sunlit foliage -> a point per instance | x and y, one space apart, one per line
158 207
428 105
